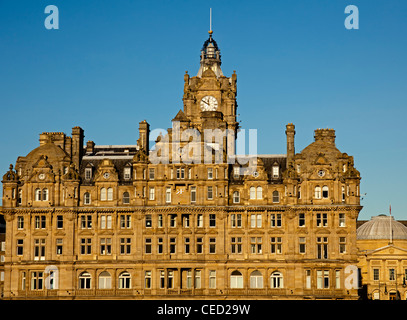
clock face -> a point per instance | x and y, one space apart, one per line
41 176
321 173
209 103
106 175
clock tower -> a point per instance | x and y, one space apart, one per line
210 97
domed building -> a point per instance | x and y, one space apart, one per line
382 244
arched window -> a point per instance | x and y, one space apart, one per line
109 194
105 280
259 193
236 197
256 280
103 194
276 280
85 280
252 193
236 280
86 198
124 280
317 192
38 194
45 194
325 192
126 197
276 196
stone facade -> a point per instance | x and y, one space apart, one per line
96 222
382 244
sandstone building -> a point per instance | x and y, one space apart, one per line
382 244
88 221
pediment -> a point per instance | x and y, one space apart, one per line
323 231
389 250
40 233
276 231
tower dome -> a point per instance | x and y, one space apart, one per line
379 228
210 57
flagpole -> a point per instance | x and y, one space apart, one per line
391 230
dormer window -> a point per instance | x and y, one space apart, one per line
276 171
127 173
88 173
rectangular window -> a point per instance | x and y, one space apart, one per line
173 245
307 279
86 222
151 194
210 173
392 274
212 279
125 245
275 171
210 193
125 221
170 279
322 219
147 279
302 245
342 244
236 172
20 247
186 245
149 222
342 220
198 279
199 245
160 221
37 280
256 245
199 220
159 245
337 279
147 245
276 245
20 223
39 249
40 222
376 274
60 222
322 247
193 194
186 220
86 246
275 220
301 220
236 245
59 245
88 173
168 195
162 279
212 245
151 174
212 220
173 220
105 246
127 173
236 220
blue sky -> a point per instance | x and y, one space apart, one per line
112 64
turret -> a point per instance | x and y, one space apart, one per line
210 57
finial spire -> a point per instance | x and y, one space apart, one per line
210 22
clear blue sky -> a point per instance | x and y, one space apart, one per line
114 63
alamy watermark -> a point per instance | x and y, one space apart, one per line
213 146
